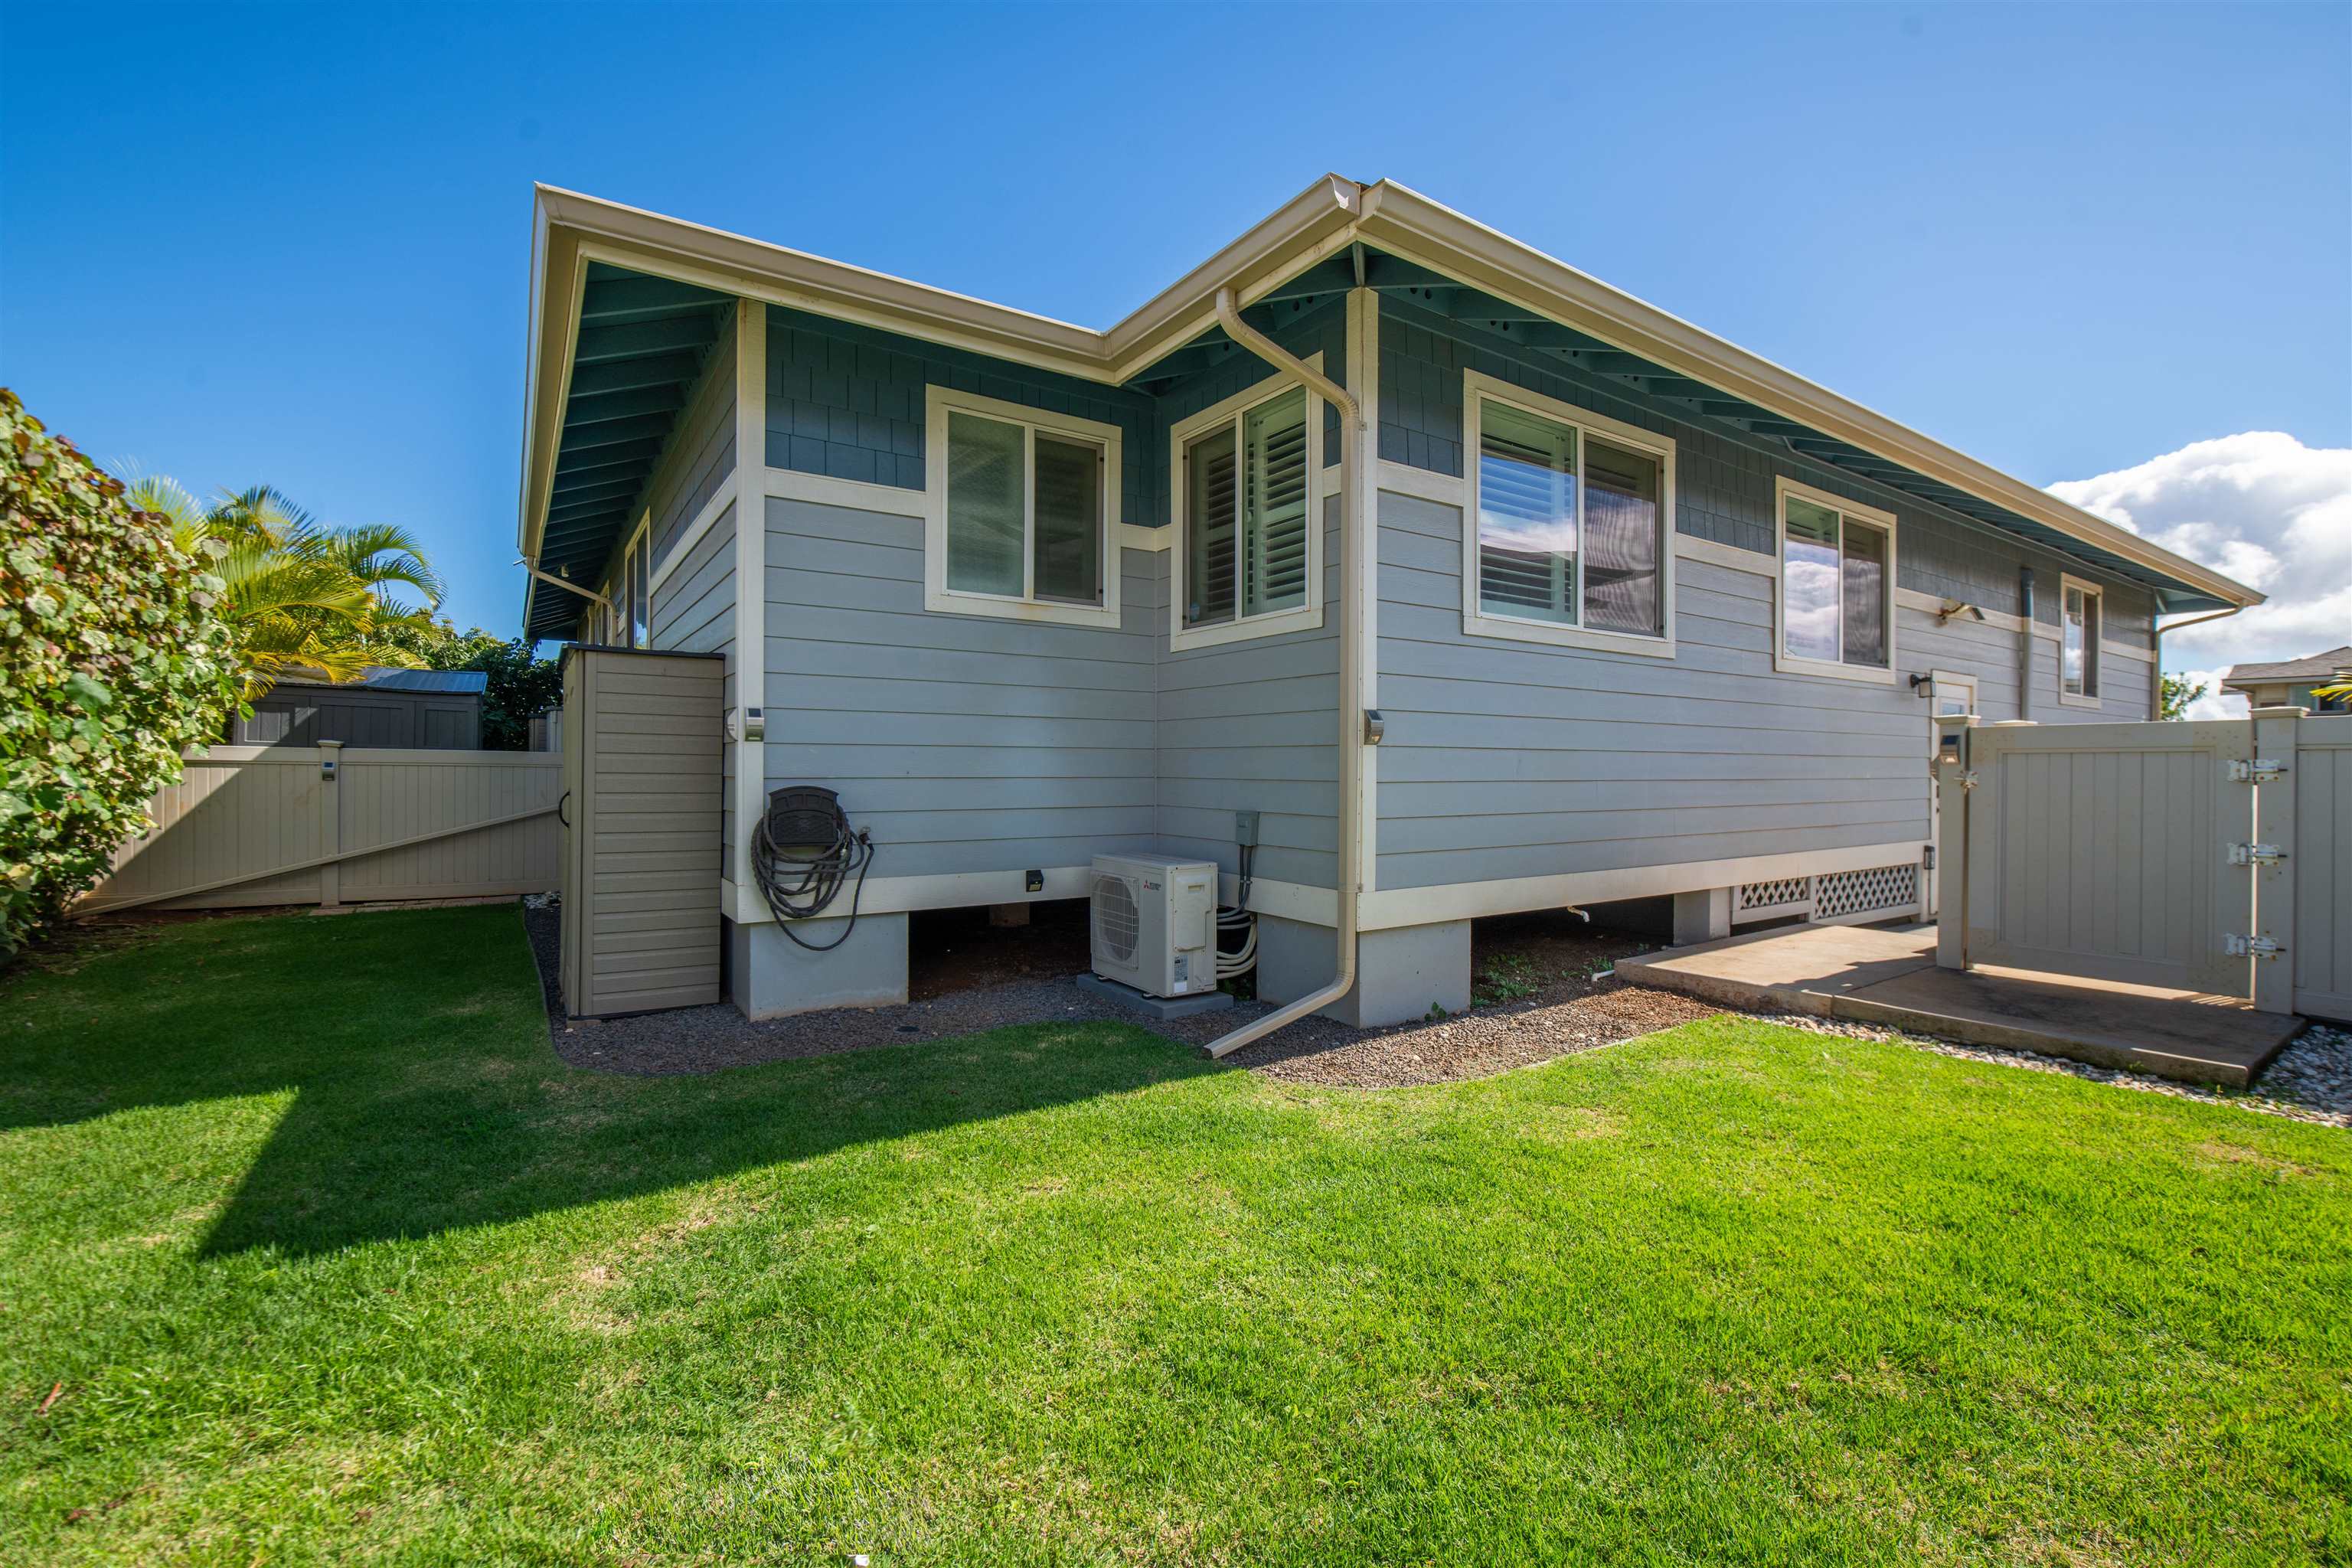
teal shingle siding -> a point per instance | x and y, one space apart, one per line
847 401
1724 486
1322 329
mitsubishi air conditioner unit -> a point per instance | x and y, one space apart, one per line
1155 923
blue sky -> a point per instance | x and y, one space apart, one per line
241 243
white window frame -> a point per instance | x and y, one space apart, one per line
940 401
1322 485
631 553
1477 620
2094 631
1784 489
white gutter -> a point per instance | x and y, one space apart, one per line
1329 216
1355 487
2155 647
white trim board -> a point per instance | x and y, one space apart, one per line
1360 468
854 495
1382 910
1404 479
1393 907
1303 617
940 404
683 545
1477 620
970 889
1784 490
2095 642
747 650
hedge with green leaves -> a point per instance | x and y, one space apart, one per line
112 661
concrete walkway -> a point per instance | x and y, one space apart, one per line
1887 976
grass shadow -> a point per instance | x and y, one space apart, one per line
425 1095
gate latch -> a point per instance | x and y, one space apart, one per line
2253 947
2255 855
2257 770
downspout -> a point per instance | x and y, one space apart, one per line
2025 642
1355 477
2155 647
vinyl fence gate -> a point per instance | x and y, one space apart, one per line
251 825
2213 857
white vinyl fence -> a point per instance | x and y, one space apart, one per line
2213 857
328 824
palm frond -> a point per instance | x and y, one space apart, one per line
162 493
383 555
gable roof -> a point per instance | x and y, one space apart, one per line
1334 223
2318 667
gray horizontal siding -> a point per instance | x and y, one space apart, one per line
1251 726
1508 760
701 453
693 611
694 606
965 742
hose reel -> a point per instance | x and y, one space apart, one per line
802 852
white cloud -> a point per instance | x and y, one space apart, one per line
2215 703
2262 507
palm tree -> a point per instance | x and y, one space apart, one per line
301 596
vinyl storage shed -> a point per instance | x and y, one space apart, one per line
427 709
1484 586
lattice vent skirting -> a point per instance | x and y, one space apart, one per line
1832 896
1766 895
1878 888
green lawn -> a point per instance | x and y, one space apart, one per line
336 1261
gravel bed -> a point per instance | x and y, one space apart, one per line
1544 993
1563 1010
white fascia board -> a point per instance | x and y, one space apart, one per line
1327 219
1411 225
760 269
1317 223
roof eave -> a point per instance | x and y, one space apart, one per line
570 229
1406 223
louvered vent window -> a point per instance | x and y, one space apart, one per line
1572 526
1246 514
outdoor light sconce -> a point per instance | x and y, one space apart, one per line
1919 685
1954 608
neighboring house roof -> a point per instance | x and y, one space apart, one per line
389 677
611 355
2319 667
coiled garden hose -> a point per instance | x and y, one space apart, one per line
801 880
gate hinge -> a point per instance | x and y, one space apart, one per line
2258 769
2253 947
2255 855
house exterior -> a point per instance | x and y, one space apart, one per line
2289 684
1486 586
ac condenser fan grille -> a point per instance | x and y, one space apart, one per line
1116 920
